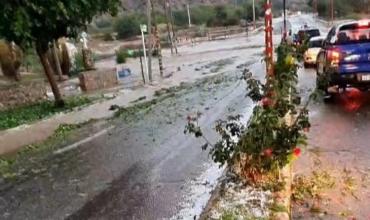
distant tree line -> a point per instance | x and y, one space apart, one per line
127 24
342 8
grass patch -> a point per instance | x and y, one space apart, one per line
349 183
25 114
278 208
306 187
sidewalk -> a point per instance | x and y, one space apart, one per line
10 139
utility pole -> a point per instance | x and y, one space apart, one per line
315 7
142 68
285 27
268 40
149 17
166 5
144 28
332 11
188 8
254 14
174 38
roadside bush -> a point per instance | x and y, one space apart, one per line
108 37
78 64
202 14
160 18
128 26
343 8
121 56
219 15
180 18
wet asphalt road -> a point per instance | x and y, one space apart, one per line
144 166
141 169
339 143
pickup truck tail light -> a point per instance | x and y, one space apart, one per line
334 57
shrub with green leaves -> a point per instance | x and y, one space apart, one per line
269 140
219 15
78 64
343 8
108 37
129 25
121 56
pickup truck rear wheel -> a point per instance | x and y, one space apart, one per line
322 84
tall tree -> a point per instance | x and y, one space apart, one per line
39 22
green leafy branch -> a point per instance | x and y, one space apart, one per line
273 134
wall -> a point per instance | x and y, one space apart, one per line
22 94
98 79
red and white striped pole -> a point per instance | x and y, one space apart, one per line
268 40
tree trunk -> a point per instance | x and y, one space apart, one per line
174 37
42 52
168 26
56 60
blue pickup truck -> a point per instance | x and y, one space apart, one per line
344 60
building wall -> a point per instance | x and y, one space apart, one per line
22 94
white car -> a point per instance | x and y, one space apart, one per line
314 47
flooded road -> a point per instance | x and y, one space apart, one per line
338 145
143 167
337 152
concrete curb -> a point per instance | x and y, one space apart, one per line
283 198
215 194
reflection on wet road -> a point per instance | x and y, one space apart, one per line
339 143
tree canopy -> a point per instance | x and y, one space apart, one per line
41 21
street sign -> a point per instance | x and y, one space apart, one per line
143 28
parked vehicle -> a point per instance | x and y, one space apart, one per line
344 60
306 34
314 47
